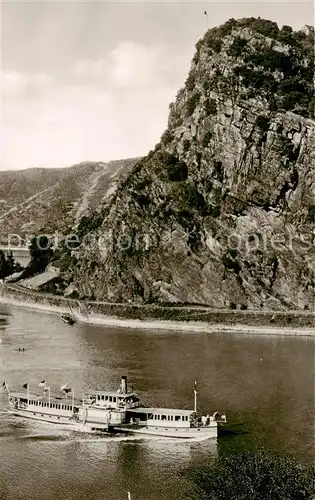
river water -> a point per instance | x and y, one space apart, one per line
264 384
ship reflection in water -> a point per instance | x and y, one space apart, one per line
262 399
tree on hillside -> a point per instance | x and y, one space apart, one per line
252 476
3 266
41 252
11 264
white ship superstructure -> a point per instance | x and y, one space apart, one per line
114 411
43 406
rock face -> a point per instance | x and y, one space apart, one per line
50 200
222 211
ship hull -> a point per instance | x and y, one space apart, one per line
186 433
52 419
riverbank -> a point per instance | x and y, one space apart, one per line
197 319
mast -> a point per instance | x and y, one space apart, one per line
195 394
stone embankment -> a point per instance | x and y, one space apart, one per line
194 318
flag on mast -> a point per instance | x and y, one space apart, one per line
63 387
42 384
47 389
69 389
206 14
195 400
27 386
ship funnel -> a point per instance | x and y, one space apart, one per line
123 384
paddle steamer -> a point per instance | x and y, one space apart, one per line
114 411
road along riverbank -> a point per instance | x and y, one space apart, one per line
199 319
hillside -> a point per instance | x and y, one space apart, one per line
222 211
50 200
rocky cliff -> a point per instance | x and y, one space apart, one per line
222 211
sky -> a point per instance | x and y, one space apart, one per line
93 80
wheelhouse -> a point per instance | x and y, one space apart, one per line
109 399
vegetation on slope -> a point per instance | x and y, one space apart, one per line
253 476
234 160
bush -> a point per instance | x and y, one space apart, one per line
192 199
41 253
167 137
210 107
237 47
252 476
206 139
265 27
214 43
285 35
230 262
89 224
186 145
273 60
192 103
177 170
311 214
263 122
255 79
190 82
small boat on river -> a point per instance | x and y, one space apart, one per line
66 318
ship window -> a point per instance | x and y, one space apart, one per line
114 399
98 398
177 418
186 417
62 407
163 417
106 398
110 398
